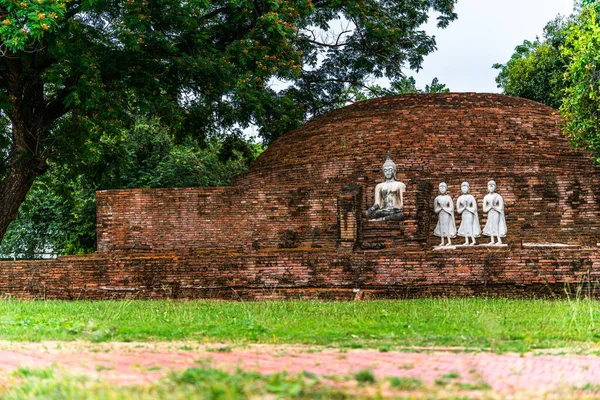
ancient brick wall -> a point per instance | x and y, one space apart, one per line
293 225
153 220
315 273
552 192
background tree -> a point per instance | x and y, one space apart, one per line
562 71
404 85
537 69
581 102
59 214
75 71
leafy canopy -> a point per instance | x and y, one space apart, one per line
206 67
536 69
581 102
563 71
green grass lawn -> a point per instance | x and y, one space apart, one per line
494 324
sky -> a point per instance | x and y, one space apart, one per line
486 32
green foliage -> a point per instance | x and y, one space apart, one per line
536 69
562 71
586 3
59 213
27 21
436 87
58 217
409 85
581 103
220 55
405 85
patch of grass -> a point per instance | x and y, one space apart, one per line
441 382
446 379
451 375
37 373
474 386
498 325
590 387
196 383
405 383
365 377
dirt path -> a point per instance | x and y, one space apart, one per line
141 363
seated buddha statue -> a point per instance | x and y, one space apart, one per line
389 196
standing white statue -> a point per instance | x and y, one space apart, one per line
493 205
444 207
467 206
389 196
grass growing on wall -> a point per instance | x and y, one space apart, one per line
494 324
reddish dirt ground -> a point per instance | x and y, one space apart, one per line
143 363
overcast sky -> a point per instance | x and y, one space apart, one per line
486 32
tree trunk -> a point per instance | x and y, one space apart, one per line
17 181
25 160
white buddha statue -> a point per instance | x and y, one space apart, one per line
493 205
444 208
466 205
389 196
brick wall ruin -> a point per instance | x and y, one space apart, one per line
293 225
309 273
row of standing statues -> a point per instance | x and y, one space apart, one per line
466 205
389 201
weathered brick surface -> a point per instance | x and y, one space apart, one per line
214 218
316 273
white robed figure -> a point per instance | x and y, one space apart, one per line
493 205
467 206
444 208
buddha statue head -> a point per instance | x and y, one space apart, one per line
389 168
465 187
443 188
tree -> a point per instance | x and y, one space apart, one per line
405 85
72 71
58 216
536 70
581 103
563 71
